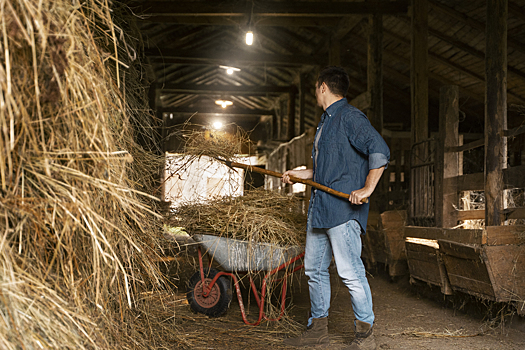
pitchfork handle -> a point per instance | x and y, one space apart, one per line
292 178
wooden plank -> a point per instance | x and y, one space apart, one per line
303 90
291 116
512 177
272 9
469 182
460 250
495 108
375 71
506 265
475 214
514 132
225 89
419 70
455 235
501 235
214 110
230 57
447 162
466 268
514 213
467 147
423 263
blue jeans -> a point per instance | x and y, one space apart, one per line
344 242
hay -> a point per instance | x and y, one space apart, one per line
444 334
77 164
196 141
259 216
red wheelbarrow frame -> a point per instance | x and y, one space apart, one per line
206 288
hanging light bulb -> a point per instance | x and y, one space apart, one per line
223 104
230 70
249 37
217 125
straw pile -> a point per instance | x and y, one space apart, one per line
77 227
259 216
197 141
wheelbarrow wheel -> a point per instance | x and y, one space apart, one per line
217 302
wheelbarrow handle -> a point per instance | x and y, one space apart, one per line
292 178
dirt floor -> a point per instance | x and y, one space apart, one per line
408 316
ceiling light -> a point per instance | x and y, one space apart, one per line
249 37
223 104
217 125
230 70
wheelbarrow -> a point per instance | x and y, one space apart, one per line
209 290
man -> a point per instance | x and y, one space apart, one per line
348 155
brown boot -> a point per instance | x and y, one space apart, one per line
315 335
364 339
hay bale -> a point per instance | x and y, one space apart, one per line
77 164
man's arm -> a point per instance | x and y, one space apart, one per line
305 174
370 184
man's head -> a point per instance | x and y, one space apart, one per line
336 79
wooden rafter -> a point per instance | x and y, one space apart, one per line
272 9
225 89
232 57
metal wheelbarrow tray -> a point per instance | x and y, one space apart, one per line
242 256
209 290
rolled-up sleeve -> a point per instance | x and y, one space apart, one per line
377 160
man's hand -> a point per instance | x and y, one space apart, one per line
359 196
304 174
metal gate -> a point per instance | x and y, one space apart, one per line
422 183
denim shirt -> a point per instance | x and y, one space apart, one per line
348 147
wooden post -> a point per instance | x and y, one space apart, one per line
302 101
447 163
419 70
291 116
495 108
318 110
375 71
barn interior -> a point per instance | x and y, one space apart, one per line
96 96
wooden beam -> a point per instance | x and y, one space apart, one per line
217 110
495 108
271 9
242 20
291 116
419 70
375 71
303 90
225 89
448 11
447 163
468 49
467 147
230 58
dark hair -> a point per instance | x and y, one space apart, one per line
336 79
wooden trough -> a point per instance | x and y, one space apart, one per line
488 263
385 243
